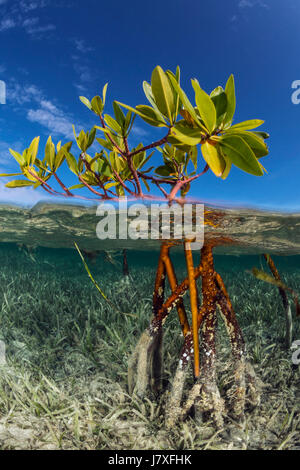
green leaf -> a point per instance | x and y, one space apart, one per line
97 105
76 186
104 143
128 122
262 135
240 154
213 158
219 98
91 137
10 174
185 135
19 184
149 95
257 144
50 152
60 156
227 168
193 154
112 124
163 93
104 168
17 156
247 125
179 155
33 150
86 102
186 103
231 101
151 116
104 94
82 141
177 97
148 114
205 107
117 162
119 115
164 170
72 163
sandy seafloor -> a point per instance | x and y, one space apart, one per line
63 375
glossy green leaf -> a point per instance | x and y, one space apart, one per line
164 170
72 163
219 98
205 107
104 143
128 122
76 186
97 105
228 165
257 144
176 77
247 125
104 168
148 114
119 115
33 150
117 163
91 137
17 156
86 102
262 135
50 152
213 158
193 154
185 135
104 91
149 95
19 184
163 93
240 154
112 123
186 102
231 101
151 116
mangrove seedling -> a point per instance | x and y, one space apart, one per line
117 169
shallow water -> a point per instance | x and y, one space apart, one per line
59 226
67 347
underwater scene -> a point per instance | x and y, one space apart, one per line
82 369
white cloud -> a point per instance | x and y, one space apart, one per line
82 46
52 118
38 30
39 108
15 15
24 196
138 131
6 24
252 3
26 5
19 94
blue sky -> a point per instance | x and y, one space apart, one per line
53 51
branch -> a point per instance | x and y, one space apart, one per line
91 189
182 183
62 185
111 139
122 183
158 143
